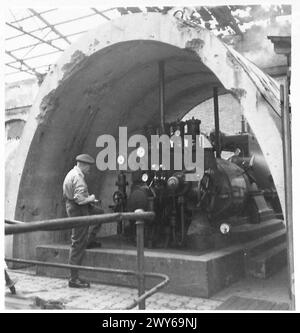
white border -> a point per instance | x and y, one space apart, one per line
295 86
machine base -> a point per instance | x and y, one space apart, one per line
192 273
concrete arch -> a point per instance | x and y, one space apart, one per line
98 84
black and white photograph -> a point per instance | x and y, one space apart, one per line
150 160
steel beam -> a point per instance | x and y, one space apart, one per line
56 24
19 70
51 26
287 161
50 40
29 58
161 67
28 17
99 13
217 123
22 63
33 36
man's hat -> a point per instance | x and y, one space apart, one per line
85 158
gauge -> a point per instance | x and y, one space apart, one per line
140 152
121 159
224 228
177 133
145 177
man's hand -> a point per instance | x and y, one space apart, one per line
92 198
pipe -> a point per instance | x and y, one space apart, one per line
287 161
161 66
14 222
147 294
140 259
217 124
71 222
59 265
243 125
182 218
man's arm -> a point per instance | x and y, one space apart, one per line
84 200
81 195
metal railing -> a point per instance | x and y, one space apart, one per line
139 216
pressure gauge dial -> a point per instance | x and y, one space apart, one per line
145 177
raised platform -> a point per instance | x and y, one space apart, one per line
191 273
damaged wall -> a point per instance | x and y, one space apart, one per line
109 78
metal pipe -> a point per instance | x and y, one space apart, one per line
63 223
182 218
217 123
145 295
83 268
14 222
287 161
243 125
161 66
70 222
149 292
58 265
140 259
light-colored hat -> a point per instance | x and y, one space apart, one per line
85 158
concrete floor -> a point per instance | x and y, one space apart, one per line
273 289
98 297
105 297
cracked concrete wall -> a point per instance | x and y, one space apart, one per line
109 78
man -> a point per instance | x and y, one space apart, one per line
80 203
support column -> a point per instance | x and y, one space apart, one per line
217 123
161 66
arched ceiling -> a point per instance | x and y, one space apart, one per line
110 79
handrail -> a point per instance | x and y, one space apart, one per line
16 227
137 301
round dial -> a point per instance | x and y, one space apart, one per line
177 132
145 177
224 228
121 159
140 152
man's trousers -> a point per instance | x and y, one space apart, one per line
82 235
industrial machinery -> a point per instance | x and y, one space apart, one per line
189 214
